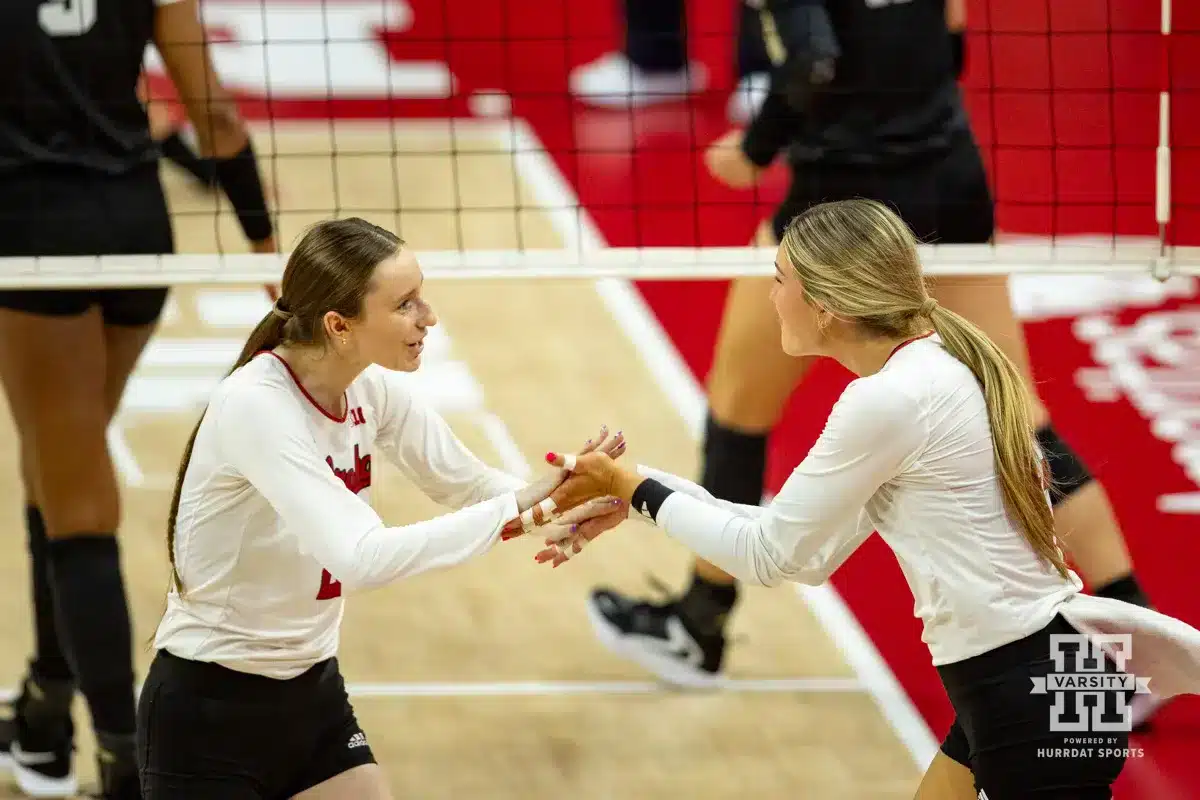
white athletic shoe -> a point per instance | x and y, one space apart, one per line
611 81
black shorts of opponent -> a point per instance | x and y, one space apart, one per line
1004 732
944 197
205 732
60 211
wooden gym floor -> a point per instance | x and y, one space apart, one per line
486 681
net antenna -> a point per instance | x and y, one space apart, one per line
1162 173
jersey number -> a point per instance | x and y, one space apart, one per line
67 17
330 588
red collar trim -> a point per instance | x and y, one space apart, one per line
906 343
303 391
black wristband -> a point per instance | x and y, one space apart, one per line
175 150
648 498
239 179
958 52
770 130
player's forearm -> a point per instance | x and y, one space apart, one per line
803 47
735 543
697 491
382 555
486 484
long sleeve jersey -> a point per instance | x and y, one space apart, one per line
906 452
274 521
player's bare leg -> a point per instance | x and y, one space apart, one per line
946 779
367 782
63 376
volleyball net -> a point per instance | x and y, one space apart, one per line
456 126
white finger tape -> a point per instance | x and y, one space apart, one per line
569 462
548 507
567 548
527 520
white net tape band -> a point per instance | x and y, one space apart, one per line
1040 256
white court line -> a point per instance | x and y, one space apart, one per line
630 312
506 447
550 688
569 688
124 459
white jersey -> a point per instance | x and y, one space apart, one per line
274 520
906 452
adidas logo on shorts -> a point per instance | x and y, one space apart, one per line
358 740
982 795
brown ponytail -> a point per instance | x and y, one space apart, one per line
858 260
330 269
267 335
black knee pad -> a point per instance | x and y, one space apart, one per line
94 624
735 464
1068 473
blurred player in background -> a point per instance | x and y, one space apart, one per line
866 104
79 177
167 133
653 65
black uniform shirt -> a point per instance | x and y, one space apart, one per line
68 96
894 97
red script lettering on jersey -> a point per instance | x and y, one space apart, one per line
356 479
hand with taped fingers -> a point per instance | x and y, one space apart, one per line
593 499
536 501
573 530
592 475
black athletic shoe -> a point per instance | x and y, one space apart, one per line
40 758
657 638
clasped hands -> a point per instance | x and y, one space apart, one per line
588 494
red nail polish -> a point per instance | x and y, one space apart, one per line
550 457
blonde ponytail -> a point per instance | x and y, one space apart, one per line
1019 463
858 260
